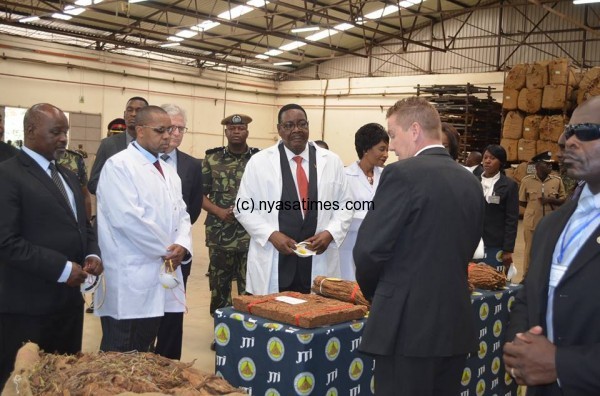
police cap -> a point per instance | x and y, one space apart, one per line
118 124
544 156
237 119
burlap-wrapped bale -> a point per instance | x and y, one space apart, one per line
556 97
510 99
315 311
551 127
537 75
483 276
515 78
510 172
512 148
589 85
531 127
520 171
530 100
527 149
343 290
513 125
545 146
109 373
559 73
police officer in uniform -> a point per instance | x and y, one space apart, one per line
226 239
540 193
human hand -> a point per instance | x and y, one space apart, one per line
226 214
77 275
175 254
283 243
319 242
93 266
530 358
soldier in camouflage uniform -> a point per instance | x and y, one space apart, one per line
226 239
73 161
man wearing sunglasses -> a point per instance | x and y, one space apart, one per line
143 230
554 332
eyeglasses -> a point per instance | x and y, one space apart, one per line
584 132
181 129
289 126
161 130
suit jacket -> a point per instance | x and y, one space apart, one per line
7 151
38 234
189 170
108 147
411 257
576 307
501 220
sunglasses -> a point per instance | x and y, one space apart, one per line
584 132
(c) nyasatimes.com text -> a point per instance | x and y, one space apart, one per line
249 205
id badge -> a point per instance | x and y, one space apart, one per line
493 199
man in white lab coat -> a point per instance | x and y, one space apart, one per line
142 225
304 195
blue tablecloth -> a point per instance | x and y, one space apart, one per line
269 358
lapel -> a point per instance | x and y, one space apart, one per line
181 164
357 174
589 250
36 171
321 158
552 238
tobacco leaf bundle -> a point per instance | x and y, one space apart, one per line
113 373
339 289
483 276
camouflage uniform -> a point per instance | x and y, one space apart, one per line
73 161
227 242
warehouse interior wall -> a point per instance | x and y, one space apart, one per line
99 83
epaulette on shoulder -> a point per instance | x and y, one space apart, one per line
214 150
74 153
555 176
531 176
254 150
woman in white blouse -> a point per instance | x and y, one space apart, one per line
371 142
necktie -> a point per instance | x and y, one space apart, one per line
165 157
583 216
59 184
157 166
302 183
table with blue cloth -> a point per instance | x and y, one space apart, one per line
270 358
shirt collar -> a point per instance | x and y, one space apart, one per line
291 155
428 147
148 155
38 158
586 192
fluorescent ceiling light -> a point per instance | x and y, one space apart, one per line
273 52
305 29
169 45
206 25
292 46
240 10
187 33
61 16
32 18
175 38
322 34
343 26
409 3
261 56
257 3
585 1
387 10
74 10
282 63
135 1
84 3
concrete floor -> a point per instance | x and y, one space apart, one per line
198 324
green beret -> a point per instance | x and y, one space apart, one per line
237 119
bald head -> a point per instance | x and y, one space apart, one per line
46 128
587 112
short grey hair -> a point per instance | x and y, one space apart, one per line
173 109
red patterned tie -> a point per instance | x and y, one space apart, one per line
302 182
157 166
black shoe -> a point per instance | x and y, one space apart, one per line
212 346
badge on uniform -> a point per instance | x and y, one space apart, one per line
494 199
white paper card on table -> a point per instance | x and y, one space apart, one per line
290 300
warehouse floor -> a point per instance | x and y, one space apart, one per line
198 324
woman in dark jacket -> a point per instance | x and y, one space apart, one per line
501 209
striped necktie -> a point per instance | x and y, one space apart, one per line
59 184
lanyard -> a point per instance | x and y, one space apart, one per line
564 246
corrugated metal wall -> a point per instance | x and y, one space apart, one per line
530 33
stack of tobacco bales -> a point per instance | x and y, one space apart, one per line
477 118
537 99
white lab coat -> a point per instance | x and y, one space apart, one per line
140 214
262 180
363 192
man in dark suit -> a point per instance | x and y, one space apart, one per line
411 257
116 143
47 245
554 331
189 169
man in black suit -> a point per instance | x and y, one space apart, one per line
411 257
116 143
189 169
6 150
47 245
554 331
